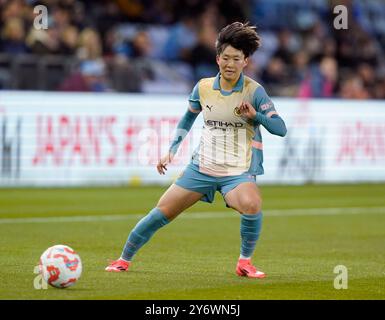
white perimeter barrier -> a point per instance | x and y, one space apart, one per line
62 139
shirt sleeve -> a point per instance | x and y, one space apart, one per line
266 114
263 103
194 99
184 126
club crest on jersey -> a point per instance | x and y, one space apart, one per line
237 112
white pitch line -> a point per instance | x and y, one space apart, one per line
204 215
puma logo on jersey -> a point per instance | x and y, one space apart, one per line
209 107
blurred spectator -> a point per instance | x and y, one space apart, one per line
140 45
286 47
90 46
379 89
368 52
353 88
368 76
315 40
300 66
69 40
43 42
329 47
274 74
110 15
181 40
203 54
13 9
91 77
61 17
13 35
321 80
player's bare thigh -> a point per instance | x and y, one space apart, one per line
245 198
177 199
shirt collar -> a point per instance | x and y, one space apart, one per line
238 86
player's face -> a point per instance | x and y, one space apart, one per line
231 63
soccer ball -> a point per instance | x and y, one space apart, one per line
60 266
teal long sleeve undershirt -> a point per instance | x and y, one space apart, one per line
182 129
275 124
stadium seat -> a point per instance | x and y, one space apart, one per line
27 66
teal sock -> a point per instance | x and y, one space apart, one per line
250 230
142 232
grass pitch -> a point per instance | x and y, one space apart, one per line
307 231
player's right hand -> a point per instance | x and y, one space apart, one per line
163 162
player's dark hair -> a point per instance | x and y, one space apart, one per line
241 36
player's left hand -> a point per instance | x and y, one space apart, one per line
247 110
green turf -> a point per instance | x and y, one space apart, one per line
195 258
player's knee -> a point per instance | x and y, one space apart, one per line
164 209
252 205
168 211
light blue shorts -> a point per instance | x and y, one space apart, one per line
192 179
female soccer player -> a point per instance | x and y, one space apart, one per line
229 155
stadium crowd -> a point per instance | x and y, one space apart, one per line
165 46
